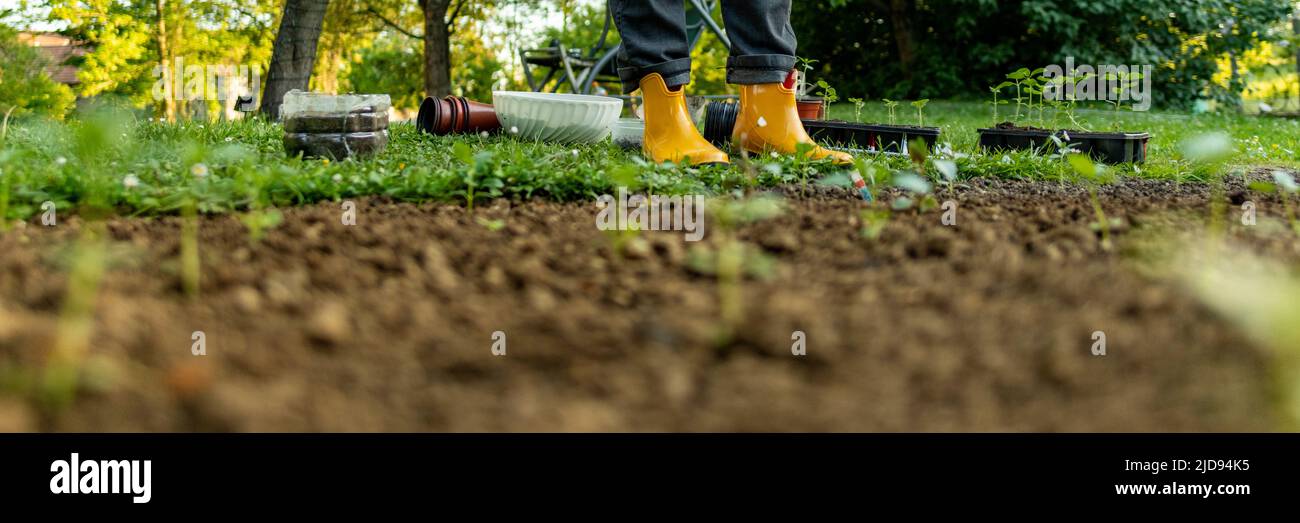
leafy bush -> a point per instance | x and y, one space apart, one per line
24 86
955 46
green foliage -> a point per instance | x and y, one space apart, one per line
959 44
25 88
827 92
920 111
371 71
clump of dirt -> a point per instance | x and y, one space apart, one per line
391 324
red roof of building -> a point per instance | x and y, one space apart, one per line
58 49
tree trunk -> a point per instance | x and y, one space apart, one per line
902 21
294 52
437 48
164 56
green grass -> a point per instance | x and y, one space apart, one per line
118 164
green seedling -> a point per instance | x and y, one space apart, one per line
1094 176
1208 153
805 67
189 262
479 177
920 111
874 220
259 221
948 169
63 369
731 259
801 152
620 239
858 105
996 90
890 105
1018 79
491 225
1287 188
827 92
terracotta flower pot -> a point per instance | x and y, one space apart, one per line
455 114
811 107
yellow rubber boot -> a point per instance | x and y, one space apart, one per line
670 133
769 121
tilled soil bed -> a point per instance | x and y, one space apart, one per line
388 325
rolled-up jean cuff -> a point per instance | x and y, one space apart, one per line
675 72
759 68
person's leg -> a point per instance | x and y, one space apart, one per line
654 41
762 63
762 41
655 57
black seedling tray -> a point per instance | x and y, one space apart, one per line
870 137
720 119
1111 148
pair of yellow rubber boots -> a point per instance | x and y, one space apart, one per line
768 121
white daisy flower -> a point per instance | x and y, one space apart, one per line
199 170
131 181
60 160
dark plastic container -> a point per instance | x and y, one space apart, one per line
335 146
1113 148
870 137
354 122
720 119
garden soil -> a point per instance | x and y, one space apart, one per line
390 324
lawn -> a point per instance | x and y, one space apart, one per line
136 166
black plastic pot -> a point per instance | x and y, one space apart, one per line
870 137
719 121
1104 147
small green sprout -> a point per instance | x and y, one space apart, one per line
858 104
890 105
920 111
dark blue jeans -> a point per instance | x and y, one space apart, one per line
655 41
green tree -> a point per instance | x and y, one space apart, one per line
25 88
953 47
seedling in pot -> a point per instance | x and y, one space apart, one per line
858 104
890 105
1018 78
920 111
997 89
827 92
805 66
